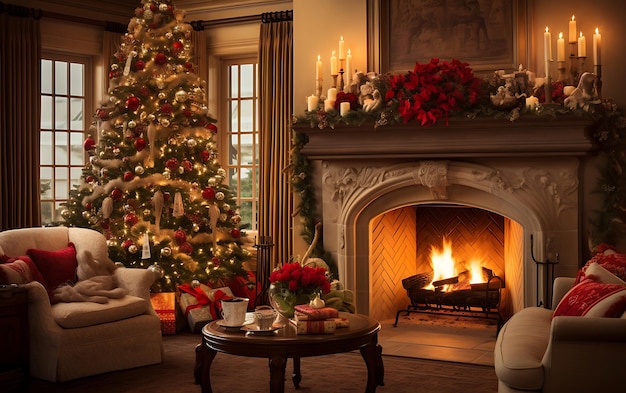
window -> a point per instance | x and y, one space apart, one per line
63 104
240 155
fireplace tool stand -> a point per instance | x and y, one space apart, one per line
548 275
479 301
263 269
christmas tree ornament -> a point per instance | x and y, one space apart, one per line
132 103
186 248
180 236
178 208
139 170
219 196
86 214
166 251
117 194
181 96
157 203
195 283
130 219
139 144
89 143
132 249
156 269
107 207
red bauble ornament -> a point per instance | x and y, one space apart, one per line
171 164
127 243
140 144
166 196
105 224
189 66
185 248
187 165
139 65
89 143
212 127
205 155
144 91
180 236
186 113
102 114
166 108
160 58
208 193
114 74
154 8
128 176
177 46
89 179
130 219
216 261
235 233
88 206
132 103
116 194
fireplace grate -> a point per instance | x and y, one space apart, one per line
476 301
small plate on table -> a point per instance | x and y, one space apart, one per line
223 324
254 329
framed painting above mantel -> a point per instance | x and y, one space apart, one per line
487 34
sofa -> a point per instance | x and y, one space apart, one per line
81 335
579 345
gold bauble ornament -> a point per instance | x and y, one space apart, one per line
166 251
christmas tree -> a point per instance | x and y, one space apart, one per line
153 185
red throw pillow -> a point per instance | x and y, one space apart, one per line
592 298
608 258
19 270
56 267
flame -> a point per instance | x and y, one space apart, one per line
444 265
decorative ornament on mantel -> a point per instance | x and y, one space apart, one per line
441 90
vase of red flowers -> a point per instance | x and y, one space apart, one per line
294 284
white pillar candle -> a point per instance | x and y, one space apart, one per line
333 64
572 30
342 49
318 68
311 102
547 50
329 105
560 48
344 108
532 102
597 42
332 94
582 45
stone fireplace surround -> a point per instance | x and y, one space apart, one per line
528 171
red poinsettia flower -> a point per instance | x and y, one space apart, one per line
301 279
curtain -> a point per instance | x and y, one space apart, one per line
20 107
276 109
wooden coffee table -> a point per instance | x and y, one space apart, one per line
285 343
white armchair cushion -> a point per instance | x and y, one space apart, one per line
81 314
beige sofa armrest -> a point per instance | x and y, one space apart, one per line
135 281
559 289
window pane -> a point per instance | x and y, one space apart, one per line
46 113
57 212
234 81
245 211
232 175
76 146
234 116
45 180
60 183
247 80
45 148
60 113
75 174
76 79
46 76
246 149
233 153
46 212
247 115
76 113
246 183
60 149
60 77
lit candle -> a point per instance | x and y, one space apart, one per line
547 50
582 45
572 30
332 94
597 42
349 69
342 49
318 68
560 48
333 64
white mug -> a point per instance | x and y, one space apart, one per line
234 310
264 317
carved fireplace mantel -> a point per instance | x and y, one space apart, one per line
460 138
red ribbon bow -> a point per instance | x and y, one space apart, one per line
204 300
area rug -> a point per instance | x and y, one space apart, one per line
325 374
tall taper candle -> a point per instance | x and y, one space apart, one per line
547 50
597 42
349 70
334 70
560 48
572 30
342 49
582 46
318 68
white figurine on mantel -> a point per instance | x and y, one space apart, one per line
585 94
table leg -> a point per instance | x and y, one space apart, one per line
277 373
372 354
202 369
296 377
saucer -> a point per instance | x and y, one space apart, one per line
223 324
254 329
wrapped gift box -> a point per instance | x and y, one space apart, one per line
165 306
325 326
306 312
197 314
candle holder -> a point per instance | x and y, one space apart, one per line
548 89
597 69
580 69
334 79
340 81
562 75
318 87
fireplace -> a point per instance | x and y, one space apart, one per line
527 172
